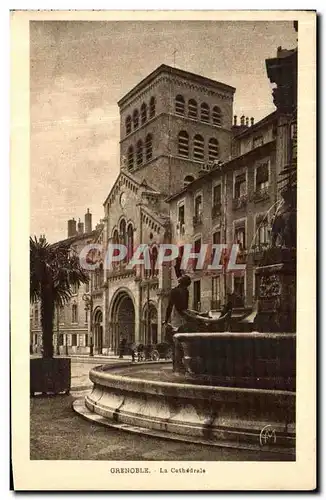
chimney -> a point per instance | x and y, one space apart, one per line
242 120
80 227
235 119
71 228
252 121
88 222
247 121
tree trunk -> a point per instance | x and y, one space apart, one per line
47 316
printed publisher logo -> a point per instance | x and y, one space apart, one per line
267 435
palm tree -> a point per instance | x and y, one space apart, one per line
53 270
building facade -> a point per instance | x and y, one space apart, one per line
190 174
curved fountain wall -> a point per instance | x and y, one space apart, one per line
213 403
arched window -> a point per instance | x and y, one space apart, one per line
122 230
135 119
183 143
128 124
149 147
180 105
192 109
153 258
130 157
152 107
204 112
139 153
187 180
143 113
198 147
217 116
130 242
213 149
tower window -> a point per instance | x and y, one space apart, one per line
183 143
128 124
198 147
135 119
149 147
217 116
130 157
152 107
204 112
213 149
180 105
139 153
192 109
143 113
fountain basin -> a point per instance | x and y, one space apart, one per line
253 359
149 397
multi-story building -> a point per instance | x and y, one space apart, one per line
233 203
72 321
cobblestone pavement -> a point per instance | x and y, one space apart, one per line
58 433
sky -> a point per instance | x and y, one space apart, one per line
78 72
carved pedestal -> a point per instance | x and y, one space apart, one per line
276 286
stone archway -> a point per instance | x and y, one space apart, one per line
150 324
122 319
98 331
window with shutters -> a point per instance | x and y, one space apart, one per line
257 141
240 234
187 180
198 147
197 247
130 158
217 116
135 119
240 185
262 231
143 113
152 107
213 149
180 105
183 143
139 153
74 340
149 147
128 124
262 177
192 109
74 314
196 295
204 112
216 293
239 290
181 214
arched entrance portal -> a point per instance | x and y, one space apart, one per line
150 324
98 331
122 319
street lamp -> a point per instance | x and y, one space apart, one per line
88 299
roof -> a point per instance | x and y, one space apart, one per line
160 218
78 237
261 123
227 165
139 182
163 68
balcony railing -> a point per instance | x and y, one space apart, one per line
151 273
197 219
216 210
261 194
258 250
239 202
181 228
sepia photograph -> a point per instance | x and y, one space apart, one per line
163 240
